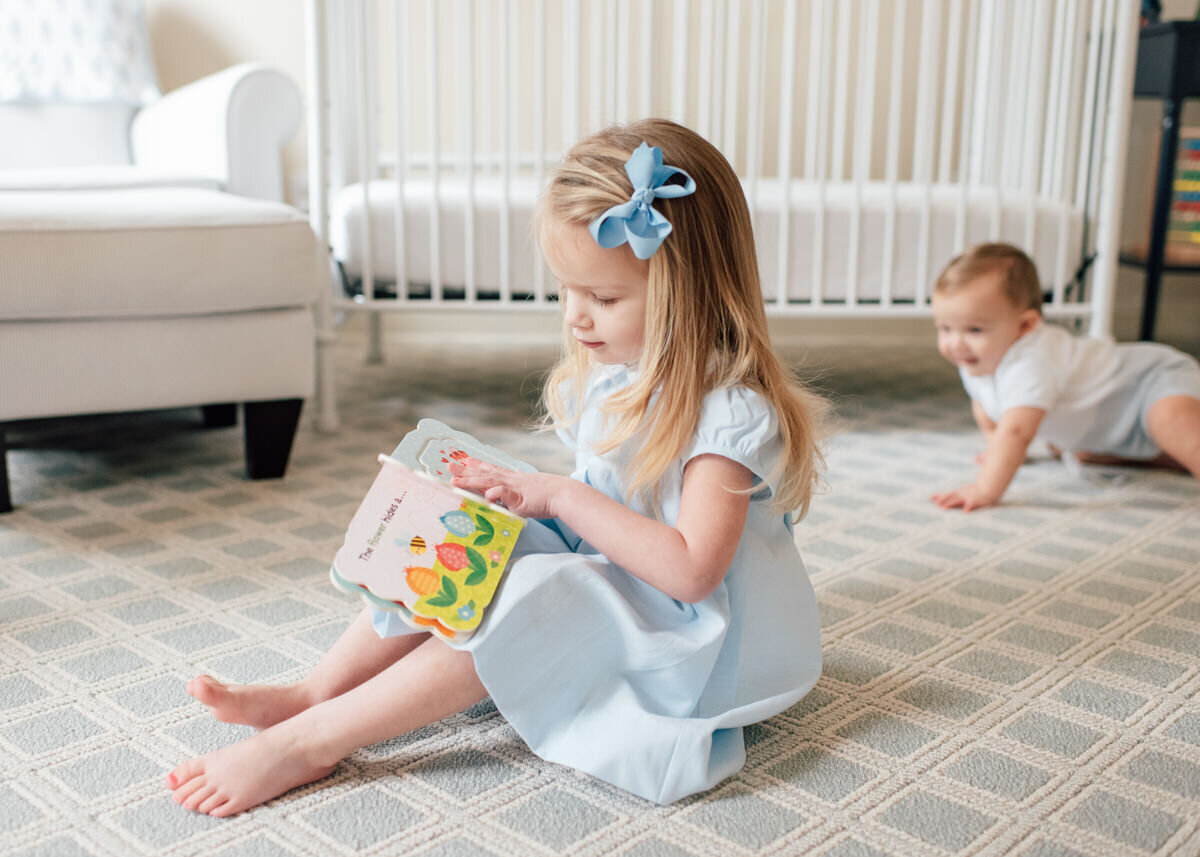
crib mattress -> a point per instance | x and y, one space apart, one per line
820 217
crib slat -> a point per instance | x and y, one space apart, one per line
508 87
999 38
646 76
784 165
754 116
923 144
841 97
1034 127
466 26
1062 91
1072 84
539 125
572 94
679 63
400 173
1089 96
732 94
822 24
366 155
317 136
892 165
922 165
1122 26
612 36
718 79
435 156
704 75
596 66
1011 114
623 32
868 38
950 92
1053 110
966 127
812 100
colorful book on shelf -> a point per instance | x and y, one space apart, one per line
1183 226
423 549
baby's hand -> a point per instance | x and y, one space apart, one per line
969 497
529 495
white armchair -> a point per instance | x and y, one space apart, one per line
148 259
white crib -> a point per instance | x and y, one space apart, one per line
875 139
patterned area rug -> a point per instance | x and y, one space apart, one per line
1019 681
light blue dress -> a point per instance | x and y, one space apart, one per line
600 671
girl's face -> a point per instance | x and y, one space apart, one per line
603 292
978 323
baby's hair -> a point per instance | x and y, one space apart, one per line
1019 274
706 327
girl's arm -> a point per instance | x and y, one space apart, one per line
1005 453
686 561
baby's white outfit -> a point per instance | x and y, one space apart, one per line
600 671
1095 393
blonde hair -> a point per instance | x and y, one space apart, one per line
1019 276
706 328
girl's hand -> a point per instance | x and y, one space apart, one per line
530 495
969 497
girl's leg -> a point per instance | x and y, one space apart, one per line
1174 424
432 682
358 654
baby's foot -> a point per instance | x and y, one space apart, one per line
257 705
228 781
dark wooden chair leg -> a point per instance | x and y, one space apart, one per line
5 496
270 428
220 416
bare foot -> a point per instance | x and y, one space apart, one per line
257 705
228 781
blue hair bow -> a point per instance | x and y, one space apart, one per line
637 221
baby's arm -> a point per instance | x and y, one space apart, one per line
686 561
986 427
1007 444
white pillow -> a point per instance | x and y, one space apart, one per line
75 51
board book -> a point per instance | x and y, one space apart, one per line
417 546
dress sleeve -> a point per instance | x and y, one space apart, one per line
741 425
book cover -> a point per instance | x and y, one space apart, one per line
432 553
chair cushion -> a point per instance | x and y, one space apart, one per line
102 177
152 252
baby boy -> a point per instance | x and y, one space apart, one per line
1129 403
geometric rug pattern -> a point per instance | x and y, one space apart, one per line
1018 681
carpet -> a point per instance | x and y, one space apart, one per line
1021 680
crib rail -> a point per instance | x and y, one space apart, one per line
1024 102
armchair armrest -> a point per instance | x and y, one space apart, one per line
230 125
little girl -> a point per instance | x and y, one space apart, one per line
660 604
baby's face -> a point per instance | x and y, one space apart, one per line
978 323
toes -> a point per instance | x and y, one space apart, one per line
224 810
198 797
203 686
187 789
211 803
184 772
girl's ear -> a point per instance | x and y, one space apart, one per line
1028 320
